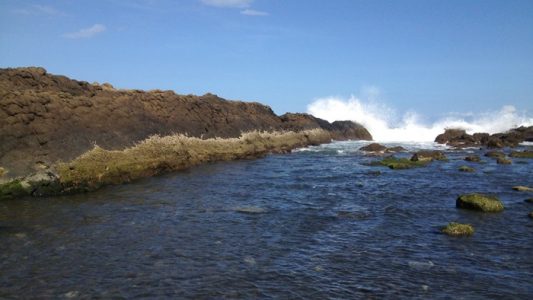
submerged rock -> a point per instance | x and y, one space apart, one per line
374 147
479 202
458 229
531 214
529 200
522 188
428 156
473 158
466 169
503 161
495 154
250 210
522 154
400 163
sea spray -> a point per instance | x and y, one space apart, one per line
378 119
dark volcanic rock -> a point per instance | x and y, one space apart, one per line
460 139
341 130
374 147
47 118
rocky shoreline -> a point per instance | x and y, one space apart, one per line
49 121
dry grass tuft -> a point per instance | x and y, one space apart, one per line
160 154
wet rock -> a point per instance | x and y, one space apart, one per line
400 163
473 158
458 229
479 202
495 143
522 154
522 188
494 154
428 156
529 200
531 214
503 161
466 169
374 147
395 149
450 135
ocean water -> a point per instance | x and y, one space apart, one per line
314 224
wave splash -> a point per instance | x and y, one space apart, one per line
379 120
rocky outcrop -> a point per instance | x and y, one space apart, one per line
373 147
47 118
341 130
428 155
458 138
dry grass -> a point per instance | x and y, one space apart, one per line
161 154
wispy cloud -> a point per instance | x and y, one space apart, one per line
86 32
228 3
253 12
36 9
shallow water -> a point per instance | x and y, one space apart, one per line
317 223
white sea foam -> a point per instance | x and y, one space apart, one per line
379 119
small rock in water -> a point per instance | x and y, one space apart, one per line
480 202
425 287
72 294
250 210
473 158
531 215
458 229
249 260
466 169
522 188
421 265
529 200
503 161
20 235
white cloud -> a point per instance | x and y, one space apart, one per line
37 9
228 3
86 32
253 12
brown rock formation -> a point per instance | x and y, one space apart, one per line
47 118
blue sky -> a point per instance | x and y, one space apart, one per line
429 56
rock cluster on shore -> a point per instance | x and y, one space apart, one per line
458 138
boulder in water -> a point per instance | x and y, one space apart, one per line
479 202
494 154
374 147
473 158
466 169
503 161
458 229
395 149
522 154
400 163
428 156
522 188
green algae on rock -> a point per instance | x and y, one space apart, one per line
13 189
400 163
522 154
458 229
466 169
479 202
428 156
